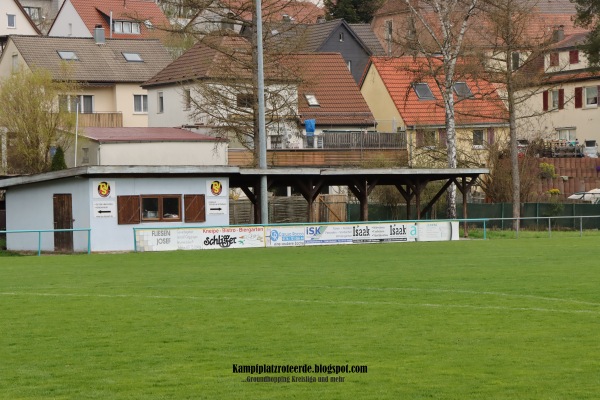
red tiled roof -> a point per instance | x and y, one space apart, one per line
326 76
400 73
97 12
105 135
274 10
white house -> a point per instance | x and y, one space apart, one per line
110 202
14 20
146 146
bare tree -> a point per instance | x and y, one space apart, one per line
32 119
231 105
437 31
512 56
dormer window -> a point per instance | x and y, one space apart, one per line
423 91
133 57
128 27
311 99
462 90
68 55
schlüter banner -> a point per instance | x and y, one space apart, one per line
200 238
163 239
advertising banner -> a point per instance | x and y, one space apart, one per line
278 236
236 237
384 232
315 235
199 238
437 231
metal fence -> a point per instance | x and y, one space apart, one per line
41 231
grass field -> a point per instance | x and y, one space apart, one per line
496 319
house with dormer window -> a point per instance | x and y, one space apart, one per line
14 20
405 99
109 73
121 19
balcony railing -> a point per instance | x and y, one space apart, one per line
101 120
358 140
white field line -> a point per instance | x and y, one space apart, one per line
328 302
473 292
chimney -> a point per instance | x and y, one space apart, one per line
286 18
558 34
320 19
99 34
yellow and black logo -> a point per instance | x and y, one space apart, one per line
216 187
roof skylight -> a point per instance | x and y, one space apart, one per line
311 100
423 92
133 57
68 55
462 90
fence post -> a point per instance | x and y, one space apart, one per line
549 227
39 243
580 226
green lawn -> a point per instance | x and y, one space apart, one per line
496 319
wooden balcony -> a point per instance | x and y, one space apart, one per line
101 120
334 149
321 157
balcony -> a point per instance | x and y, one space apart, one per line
101 120
333 149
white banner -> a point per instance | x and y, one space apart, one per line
236 237
278 236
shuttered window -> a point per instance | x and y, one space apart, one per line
128 210
195 210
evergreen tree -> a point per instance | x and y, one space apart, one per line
588 16
352 11
58 161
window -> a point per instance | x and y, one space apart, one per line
462 90
427 139
140 103
276 141
187 99
126 27
554 99
516 60
568 134
591 96
12 20
349 64
166 208
15 62
85 158
341 36
478 138
423 92
245 100
573 56
161 208
133 57
227 22
70 102
67 55
161 103
33 12
311 99
554 59
388 29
